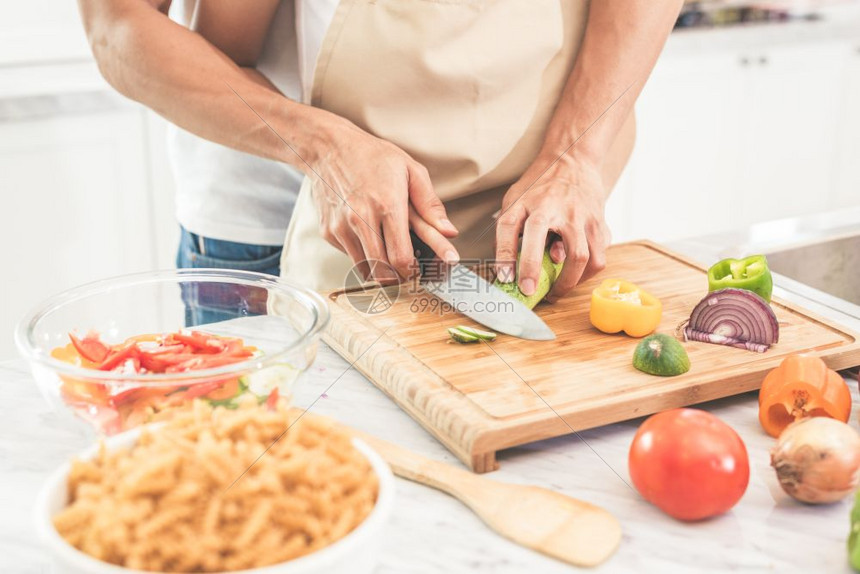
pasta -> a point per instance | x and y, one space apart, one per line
178 500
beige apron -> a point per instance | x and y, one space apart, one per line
466 87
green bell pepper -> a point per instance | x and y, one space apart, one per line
751 274
854 535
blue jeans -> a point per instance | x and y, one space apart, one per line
212 305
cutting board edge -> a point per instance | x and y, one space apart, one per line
459 411
522 429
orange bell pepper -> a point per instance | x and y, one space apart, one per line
618 305
801 386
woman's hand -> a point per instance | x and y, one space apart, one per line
558 202
369 193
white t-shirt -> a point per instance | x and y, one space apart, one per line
225 194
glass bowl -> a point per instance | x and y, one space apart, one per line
278 323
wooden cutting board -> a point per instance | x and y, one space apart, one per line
481 398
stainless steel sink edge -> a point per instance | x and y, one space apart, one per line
837 310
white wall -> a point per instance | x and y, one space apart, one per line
84 188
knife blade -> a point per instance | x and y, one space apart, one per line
475 297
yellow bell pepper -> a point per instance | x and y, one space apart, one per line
619 305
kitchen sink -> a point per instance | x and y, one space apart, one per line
831 266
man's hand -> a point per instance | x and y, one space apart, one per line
565 205
563 208
369 193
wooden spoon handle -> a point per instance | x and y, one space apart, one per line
411 466
549 522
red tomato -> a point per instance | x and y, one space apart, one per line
689 463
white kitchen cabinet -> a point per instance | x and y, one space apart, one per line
685 159
76 206
618 206
847 188
787 136
730 137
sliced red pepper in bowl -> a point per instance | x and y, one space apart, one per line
201 389
272 399
157 354
77 391
90 347
201 341
200 362
138 393
153 363
227 390
118 355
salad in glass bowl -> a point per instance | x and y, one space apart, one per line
133 349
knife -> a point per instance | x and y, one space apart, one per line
475 297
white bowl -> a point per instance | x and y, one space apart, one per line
355 553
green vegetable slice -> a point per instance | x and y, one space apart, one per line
661 355
854 535
463 334
461 337
479 333
549 272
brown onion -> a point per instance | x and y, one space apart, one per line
817 460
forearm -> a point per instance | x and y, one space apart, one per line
181 76
622 41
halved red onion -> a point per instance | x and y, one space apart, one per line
734 317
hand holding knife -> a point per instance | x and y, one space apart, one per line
470 294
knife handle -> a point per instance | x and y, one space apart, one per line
422 252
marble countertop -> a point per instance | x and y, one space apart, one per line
431 532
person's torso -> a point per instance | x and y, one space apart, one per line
465 87
230 195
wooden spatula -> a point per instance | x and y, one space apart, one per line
551 523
